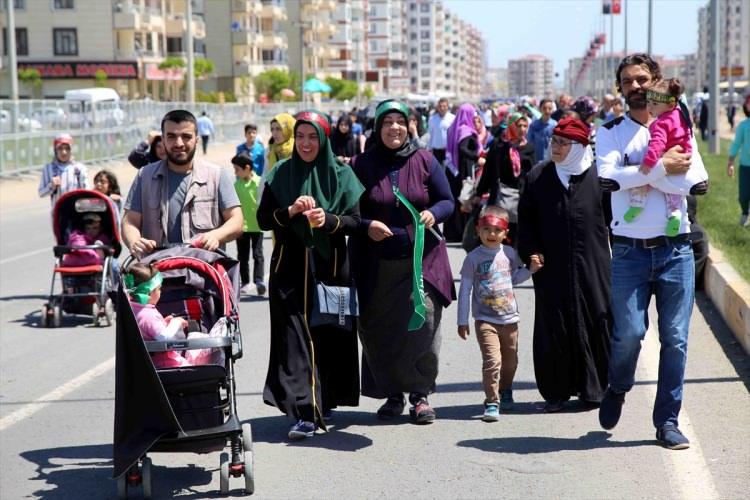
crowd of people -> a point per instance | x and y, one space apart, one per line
587 200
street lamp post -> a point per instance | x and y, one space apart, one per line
11 37
190 64
713 106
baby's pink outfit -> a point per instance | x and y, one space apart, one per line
153 326
84 256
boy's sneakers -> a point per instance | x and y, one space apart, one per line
261 288
611 408
506 399
491 412
246 289
744 220
669 436
301 430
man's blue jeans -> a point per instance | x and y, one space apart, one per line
667 272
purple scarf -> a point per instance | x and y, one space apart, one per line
461 128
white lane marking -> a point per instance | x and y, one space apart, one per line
57 394
24 255
688 471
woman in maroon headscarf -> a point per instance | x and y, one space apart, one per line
462 154
508 161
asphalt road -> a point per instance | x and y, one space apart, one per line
57 403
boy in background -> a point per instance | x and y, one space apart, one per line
254 148
246 185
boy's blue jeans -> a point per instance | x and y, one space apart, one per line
667 272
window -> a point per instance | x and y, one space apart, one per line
425 34
22 42
425 46
413 36
65 41
413 51
425 59
17 4
425 21
424 7
425 72
413 65
64 4
413 21
413 6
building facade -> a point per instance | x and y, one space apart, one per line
734 44
532 75
68 41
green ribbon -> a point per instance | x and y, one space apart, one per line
141 292
420 310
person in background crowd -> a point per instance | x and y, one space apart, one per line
618 108
462 154
254 148
205 130
246 185
148 151
106 183
399 319
741 146
439 123
564 102
311 203
703 115
483 135
605 112
562 222
644 260
63 173
540 131
358 131
343 142
586 107
417 136
281 144
731 112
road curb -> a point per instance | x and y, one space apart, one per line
730 294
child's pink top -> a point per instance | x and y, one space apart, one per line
153 326
668 130
85 256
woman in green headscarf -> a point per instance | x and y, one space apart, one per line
281 145
311 202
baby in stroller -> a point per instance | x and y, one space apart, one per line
89 236
143 285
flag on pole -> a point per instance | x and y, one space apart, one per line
616 6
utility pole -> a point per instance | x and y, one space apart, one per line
713 106
190 62
625 12
611 46
11 31
650 24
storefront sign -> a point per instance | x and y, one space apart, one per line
83 69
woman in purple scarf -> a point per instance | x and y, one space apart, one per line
395 360
461 155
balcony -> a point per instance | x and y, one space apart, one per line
246 38
274 41
273 11
176 26
243 6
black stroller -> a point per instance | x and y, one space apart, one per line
85 281
187 408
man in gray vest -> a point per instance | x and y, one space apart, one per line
181 199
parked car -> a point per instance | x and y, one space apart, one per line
51 117
24 123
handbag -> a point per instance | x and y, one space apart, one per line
333 305
507 198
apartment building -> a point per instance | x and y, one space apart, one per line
254 43
386 45
734 50
531 75
309 27
495 83
68 41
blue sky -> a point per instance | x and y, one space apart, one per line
562 29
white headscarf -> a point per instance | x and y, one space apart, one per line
579 159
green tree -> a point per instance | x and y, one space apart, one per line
100 78
172 62
30 77
203 67
342 89
368 92
271 83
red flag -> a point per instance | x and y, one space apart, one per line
616 6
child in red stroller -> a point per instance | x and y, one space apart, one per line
88 243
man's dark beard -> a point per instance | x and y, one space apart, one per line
636 99
178 161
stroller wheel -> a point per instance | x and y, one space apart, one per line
247 445
109 311
122 486
95 313
146 475
56 316
224 474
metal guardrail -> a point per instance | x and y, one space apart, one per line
110 131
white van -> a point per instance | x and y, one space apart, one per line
96 106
